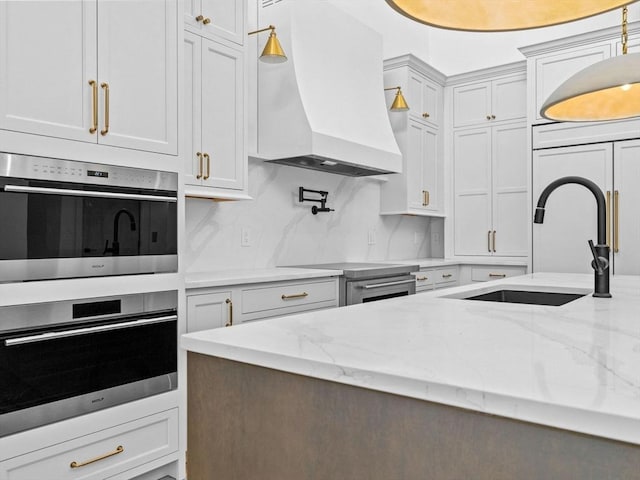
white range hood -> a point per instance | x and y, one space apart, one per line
325 107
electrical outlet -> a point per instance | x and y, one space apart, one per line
245 237
371 237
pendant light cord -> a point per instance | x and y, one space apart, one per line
624 30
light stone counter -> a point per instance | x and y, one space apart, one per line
219 278
446 262
574 367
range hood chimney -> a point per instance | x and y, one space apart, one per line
325 108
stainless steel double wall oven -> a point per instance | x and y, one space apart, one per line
65 219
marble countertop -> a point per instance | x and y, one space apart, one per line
220 278
445 262
575 367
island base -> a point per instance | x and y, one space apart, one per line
247 422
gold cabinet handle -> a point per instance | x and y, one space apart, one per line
422 279
119 449
608 208
494 241
199 155
208 158
489 241
616 221
94 106
199 18
230 303
498 275
206 21
425 115
295 295
105 87
446 275
426 196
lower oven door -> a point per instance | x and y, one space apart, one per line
362 291
61 371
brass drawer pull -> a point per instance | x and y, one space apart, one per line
447 275
494 241
230 303
498 275
425 115
206 156
422 279
119 449
105 87
616 221
295 295
94 106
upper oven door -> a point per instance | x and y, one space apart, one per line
363 291
63 229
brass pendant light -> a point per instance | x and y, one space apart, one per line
272 52
607 90
501 15
399 103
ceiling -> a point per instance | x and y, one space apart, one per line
454 52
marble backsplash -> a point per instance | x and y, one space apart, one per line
281 231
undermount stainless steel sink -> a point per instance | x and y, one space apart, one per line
554 299
533 295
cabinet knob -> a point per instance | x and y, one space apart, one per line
425 115
206 21
199 18
493 117
488 117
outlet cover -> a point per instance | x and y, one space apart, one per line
245 237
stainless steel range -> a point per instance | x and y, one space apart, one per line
368 282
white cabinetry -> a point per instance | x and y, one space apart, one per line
214 114
91 71
436 278
499 100
216 19
226 306
560 243
101 454
419 189
490 191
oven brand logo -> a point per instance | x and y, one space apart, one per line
97 266
97 400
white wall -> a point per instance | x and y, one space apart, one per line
285 232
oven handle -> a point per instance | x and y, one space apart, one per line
388 284
87 193
41 337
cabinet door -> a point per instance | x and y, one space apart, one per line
208 310
422 167
626 224
222 116
509 181
137 59
560 243
509 98
192 109
471 104
554 69
472 203
47 58
423 97
224 19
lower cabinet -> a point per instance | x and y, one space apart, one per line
226 306
138 449
435 278
487 273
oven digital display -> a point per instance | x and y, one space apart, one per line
97 173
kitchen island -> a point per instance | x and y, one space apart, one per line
424 387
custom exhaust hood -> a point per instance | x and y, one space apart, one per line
325 108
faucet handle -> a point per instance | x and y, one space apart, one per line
599 263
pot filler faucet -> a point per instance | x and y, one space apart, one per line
600 252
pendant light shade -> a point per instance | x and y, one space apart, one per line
607 90
399 103
272 52
500 15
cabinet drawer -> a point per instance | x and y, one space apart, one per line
424 280
288 297
100 454
445 275
484 274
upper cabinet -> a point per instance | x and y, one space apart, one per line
216 19
418 190
214 107
491 101
91 71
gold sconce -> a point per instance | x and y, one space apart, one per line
399 103
500 15
272 52
607 90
